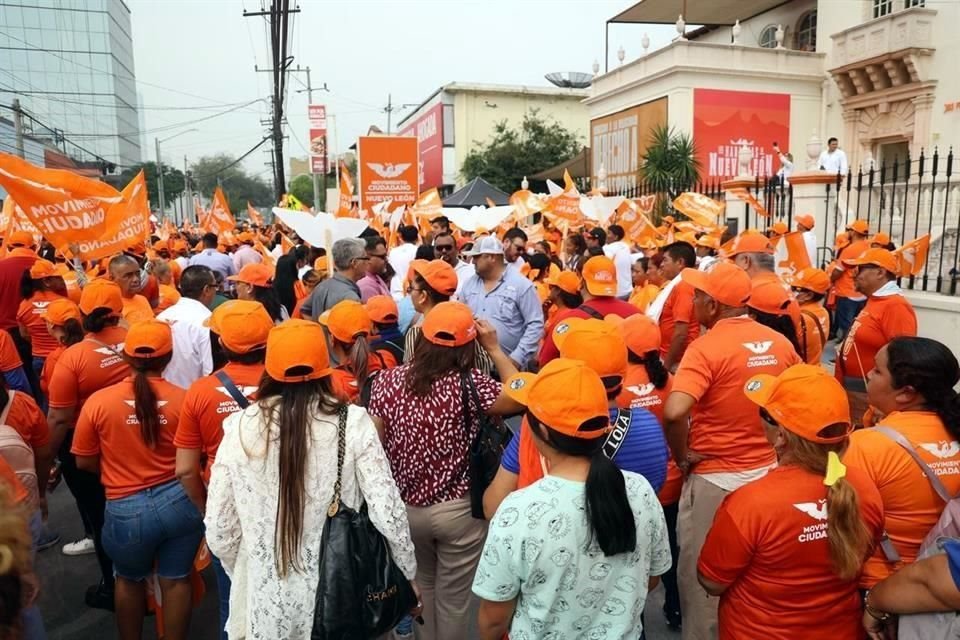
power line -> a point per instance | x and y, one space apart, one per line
231 164
164 128
139 107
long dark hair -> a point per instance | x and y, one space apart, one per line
612 525
99 319
30 286
432 361
656 372
72 332
295 406
932 370
359 357
782 324
145 398
284 279
267 296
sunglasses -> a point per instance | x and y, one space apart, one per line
443 248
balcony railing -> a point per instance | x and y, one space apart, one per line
898 31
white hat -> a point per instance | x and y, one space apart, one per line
486 245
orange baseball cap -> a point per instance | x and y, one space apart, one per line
748 242
101 294
289 359
726 283
347 320
61 310
246 237
42 269
806 221
600 276
320 264
438 274
841 241
859 226
804 400
566 396
877 257
138 249
255 274
567 281
179 246
711 242
449 324
880 238
812 279
779 228
243 325
383 309
769 296
640 332
148 339
21 239
596 342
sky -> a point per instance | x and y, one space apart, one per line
199 56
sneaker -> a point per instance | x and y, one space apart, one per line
81 547
48 540
99 597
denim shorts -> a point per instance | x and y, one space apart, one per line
156 526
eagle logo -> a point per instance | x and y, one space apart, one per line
942 449
641 389
816 510
246 391
132 403
109 350
41 304
389 169
759 347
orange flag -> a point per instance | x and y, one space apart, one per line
262 250
285 244
568 183
748 197
219 218
346 192
790 254
201 215
636 225
913 255
700 208
427 207
525 203
134 213
254 215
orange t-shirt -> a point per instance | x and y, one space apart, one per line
29 316
639 393
9 478
769 543
168 297
48 367
28 420
815 320
300 290
150 289
88 366
136 308
108 427
344 384
844 287
9 356
643 296
175 271
207 404
678 308
725 426
911 506
882 319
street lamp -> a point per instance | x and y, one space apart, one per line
157 142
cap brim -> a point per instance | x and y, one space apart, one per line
564 328
759 388
605 289
324 318
235 279
695 278
518 387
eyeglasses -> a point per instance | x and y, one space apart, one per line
443 248
382 256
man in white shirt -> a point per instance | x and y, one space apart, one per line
805 223
786 166
192 358
446 247
400 258
833 159
619 251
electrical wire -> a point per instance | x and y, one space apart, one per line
231 164
169 127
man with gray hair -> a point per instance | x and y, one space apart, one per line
753 253
350 264
125 271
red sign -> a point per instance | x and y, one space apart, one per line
317 113
387 167
428 129
724 120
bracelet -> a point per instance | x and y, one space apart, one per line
879 616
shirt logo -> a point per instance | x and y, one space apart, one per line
110 350
816 510
759 347
160 403
942 449
41 304
246 391
641 389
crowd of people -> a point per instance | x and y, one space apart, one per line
774 449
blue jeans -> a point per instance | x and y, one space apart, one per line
30 617
847 310
156 524
223 589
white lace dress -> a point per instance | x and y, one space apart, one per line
242 512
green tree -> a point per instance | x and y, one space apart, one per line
511 153
302 189
670 165
240 187
172 181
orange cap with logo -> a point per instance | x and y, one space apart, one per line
566 281
42 269
876 257
769 296
726 283
243 325
596 342
748 242
859 226
438 274
812 279
255 274
20 239
640 332
449 324
805 222
804 400
101 294
347 320
600 276
297 352
567 396
148 339
383 309
61 310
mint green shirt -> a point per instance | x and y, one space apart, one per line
537 547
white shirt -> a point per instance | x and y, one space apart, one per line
516 266
786 169
835 162
706 262
463 270
400 258
192 358
619 252
810 241
183 261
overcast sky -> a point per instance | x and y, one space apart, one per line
201 53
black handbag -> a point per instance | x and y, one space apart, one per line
487 447
361 593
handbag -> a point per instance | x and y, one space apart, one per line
361 592
487 446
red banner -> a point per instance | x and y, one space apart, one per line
428 129
387 169
317 114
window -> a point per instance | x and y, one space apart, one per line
448 140
914 3
768 37
882 8
806 37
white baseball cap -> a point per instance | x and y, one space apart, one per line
486 245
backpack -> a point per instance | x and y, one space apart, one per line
928 626
18 455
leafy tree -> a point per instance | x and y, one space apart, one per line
210 171
670 165
511 153
302 189
172 181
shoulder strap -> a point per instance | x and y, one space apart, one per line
932 478
816 321
104 345
593 313
6 409
621 426
341 449
232 389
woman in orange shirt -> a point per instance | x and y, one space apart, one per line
125 433
350 327
810 285
769 304
40 286
911 387
63 322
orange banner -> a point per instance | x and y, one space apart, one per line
525 203
345 203
219 218
790 254
700 208
749 198
134 216
388 169
254 215
913 255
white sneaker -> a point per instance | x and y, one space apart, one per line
79 548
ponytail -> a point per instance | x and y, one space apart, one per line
656 372
72 332
145 398
360 359
99 319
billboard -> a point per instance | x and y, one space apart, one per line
428 129
619 141
724 120
388 170
317 114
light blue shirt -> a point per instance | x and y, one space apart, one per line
513 308
214 260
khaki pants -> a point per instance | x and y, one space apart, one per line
699 502
448 543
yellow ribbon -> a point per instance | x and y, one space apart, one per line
835 469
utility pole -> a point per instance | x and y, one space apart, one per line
159 177
390 108
186 191
18 127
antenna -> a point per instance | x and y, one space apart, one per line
570 79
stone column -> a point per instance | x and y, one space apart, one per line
922 114
810 197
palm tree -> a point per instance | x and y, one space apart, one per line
670 165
